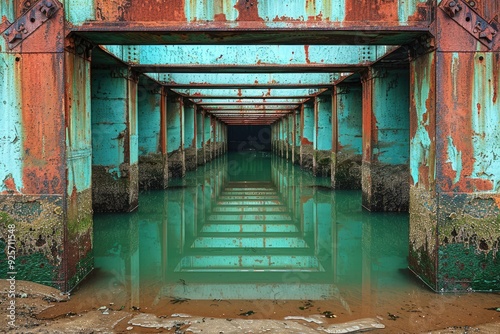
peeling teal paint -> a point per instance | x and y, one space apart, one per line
486 119
407 8
420 144
79 11
331 10
7 10
455 159
11 134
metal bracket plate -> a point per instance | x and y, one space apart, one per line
31 20
467 18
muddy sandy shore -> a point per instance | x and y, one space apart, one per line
40 309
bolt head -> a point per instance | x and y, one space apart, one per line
452 4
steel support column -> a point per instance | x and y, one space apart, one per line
307 136
45 155
115 168
190 133
297 132
207 143
200 136
152 108
322 135
455 170
347 138
175 132
385 169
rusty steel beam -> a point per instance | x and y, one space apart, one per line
249 92
250 59
247 80
251 107
202 102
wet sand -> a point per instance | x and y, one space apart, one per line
89 309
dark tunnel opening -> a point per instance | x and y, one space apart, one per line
249 138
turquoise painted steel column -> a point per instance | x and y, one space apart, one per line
455 170
45 155
213 137
208 137
307 136
322 135
153 159
115 170
297 136
347 136
200 136
190 133
385 166
175 133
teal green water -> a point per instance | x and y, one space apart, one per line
252 226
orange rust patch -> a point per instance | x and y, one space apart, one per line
248 11
306 50
305 141
371 10
220 17
10 183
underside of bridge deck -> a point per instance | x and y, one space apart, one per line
397 98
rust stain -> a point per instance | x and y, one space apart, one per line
371 10
305 141
248 10
146 10
43 117
220 17
10 184
306 50
455 120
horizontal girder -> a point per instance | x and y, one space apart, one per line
238 80
208 102
248 92
247 59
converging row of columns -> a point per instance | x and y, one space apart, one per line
358 134
142 136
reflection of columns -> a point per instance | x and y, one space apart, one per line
190 133
200 136
322 135
115 171
455 170
347 142
385 169
152 108
306 136
175 133
45 155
